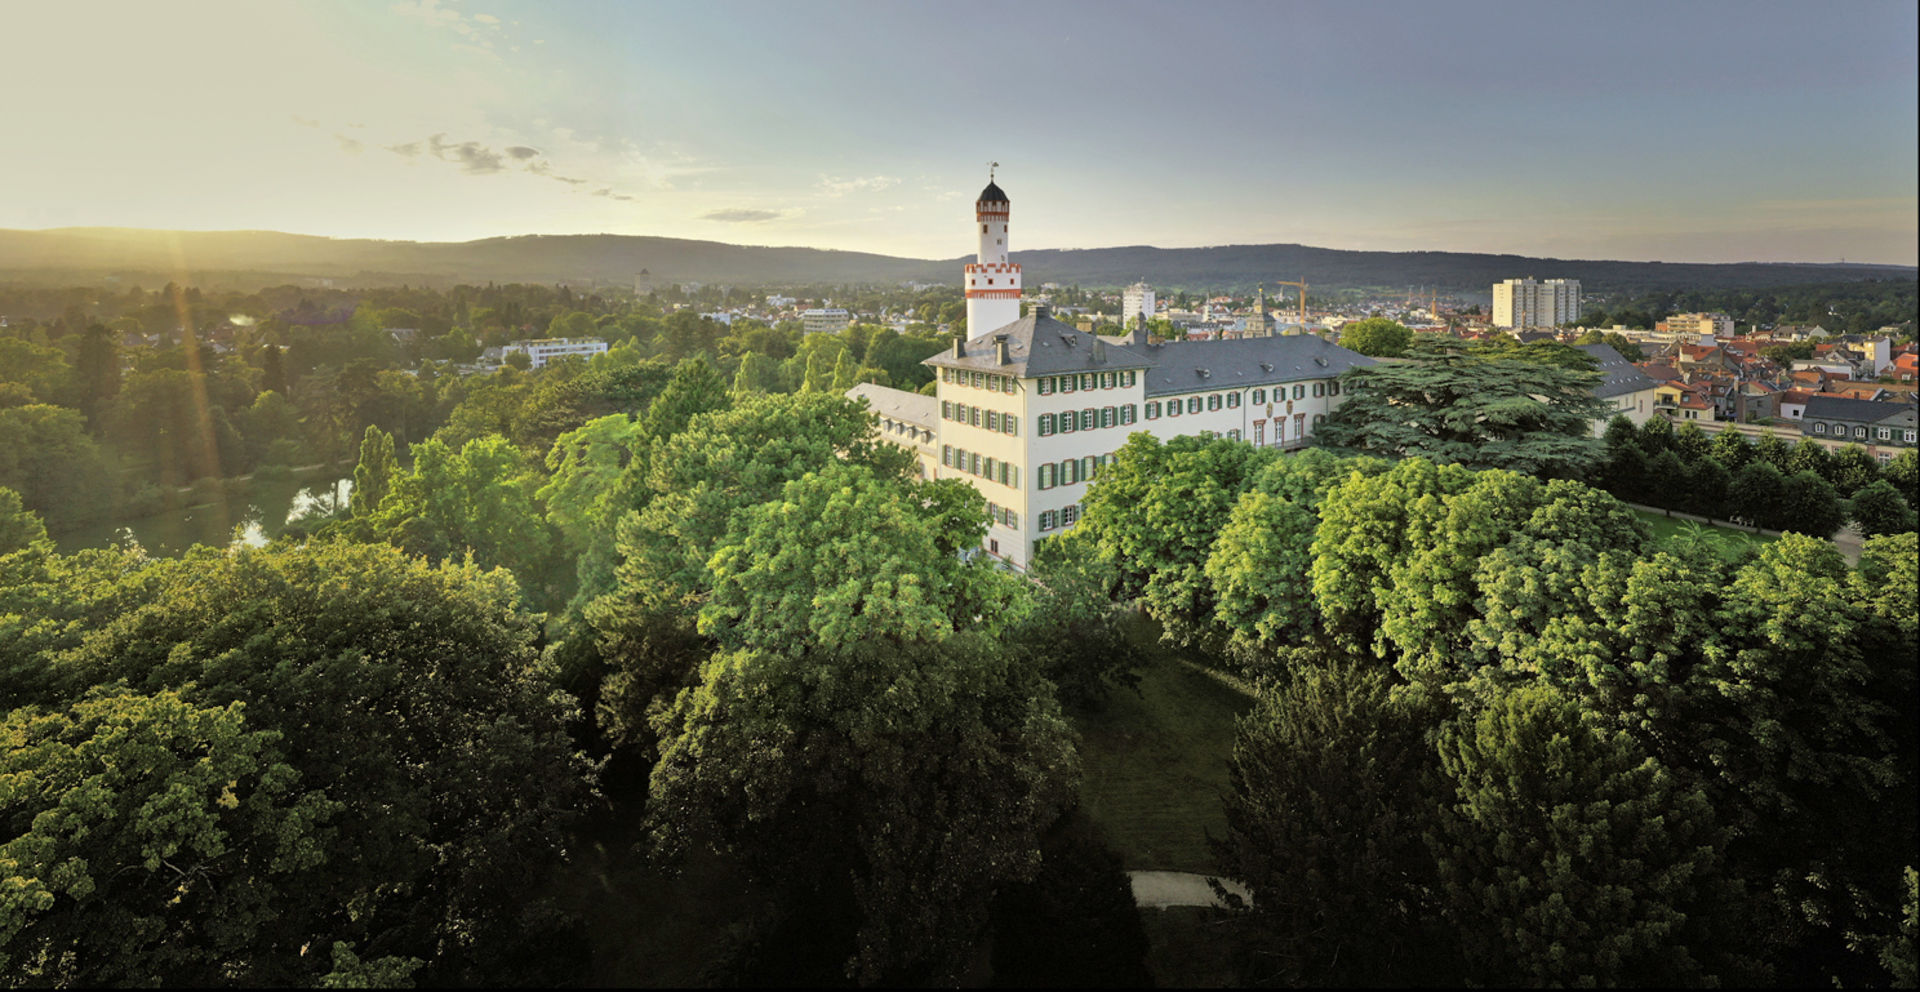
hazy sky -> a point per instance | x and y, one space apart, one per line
1669 130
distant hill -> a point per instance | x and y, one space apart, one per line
85 255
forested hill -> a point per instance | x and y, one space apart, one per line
70 255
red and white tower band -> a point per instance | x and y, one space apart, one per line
992 282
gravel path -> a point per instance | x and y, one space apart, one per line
1160 889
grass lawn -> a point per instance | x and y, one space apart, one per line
1155 763
1188 948
1732 540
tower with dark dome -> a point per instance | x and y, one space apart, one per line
991 281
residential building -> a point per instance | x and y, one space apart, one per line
1525 303
1879 426
824 319
1628 391
540 351
1700 327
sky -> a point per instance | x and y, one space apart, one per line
1696 131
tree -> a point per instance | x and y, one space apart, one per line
695 388
1904 473
1325 804
517 359
20 528
97 374
1774 452
1706 490
1731 449
407 697
1809 504
758 373
55 467
1656 436
373 476
1259 569
1880 509
1691 443
273 371
1366 526
1809 456
1376 336
1851 469
1759 493
478 500
1567 856
1529 416
1074 633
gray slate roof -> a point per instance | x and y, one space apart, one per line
911 408
1620 376
1038 346
1192 366
1823 407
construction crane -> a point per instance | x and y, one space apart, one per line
1303 301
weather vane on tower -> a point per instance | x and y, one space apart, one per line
990 167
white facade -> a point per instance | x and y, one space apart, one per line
820 319
1135 300
1521 303
543 350
992 281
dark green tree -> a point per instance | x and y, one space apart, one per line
1880 509
373 477
1809 504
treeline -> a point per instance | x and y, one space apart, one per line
1505 738
1853 307
1767 484
92 426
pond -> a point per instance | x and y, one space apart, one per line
267 508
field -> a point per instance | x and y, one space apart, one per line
1732 540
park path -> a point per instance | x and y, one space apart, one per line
1161 889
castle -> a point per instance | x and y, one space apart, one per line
1029 408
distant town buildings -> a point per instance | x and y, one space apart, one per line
827 319
1702 328
540 351
1526 303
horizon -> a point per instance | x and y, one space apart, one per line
1713 133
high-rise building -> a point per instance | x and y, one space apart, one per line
1525 303
992 282
1136 302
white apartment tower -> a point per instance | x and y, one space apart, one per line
992 281
1522 303
1135 301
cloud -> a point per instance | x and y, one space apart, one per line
304 121
409 150
473 158
865 184
610 194
522 152
742 216
348 145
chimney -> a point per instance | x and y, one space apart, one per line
1099 350
1042 311
959 346
1000 348
1139 339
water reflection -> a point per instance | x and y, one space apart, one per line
261 514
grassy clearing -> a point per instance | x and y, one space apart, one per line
1732 541
1155 763
1189 948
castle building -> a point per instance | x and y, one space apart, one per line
1027 410
991 280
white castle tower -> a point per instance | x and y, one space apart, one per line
992 282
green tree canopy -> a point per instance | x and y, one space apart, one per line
1376 336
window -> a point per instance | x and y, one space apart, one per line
946 410
1316 420
1126 380
1193 404
993 421
1046 425
1086 467
1233 400
946 455
1069 422
1319 389
1108 380
1233 435
1045 478
1153 409
1089 380
1005 470
973 463
991 469
1049 519
973 416
1859 432
1013 520
1909 437
973 378
1333 389
1069 472
1883 433
1108 417
1126 414
1819 428
1067 383
1173 408
1213 401
1046 386
1069 514
1299 392
1259 396
1010 424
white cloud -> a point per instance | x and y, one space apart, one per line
834 186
